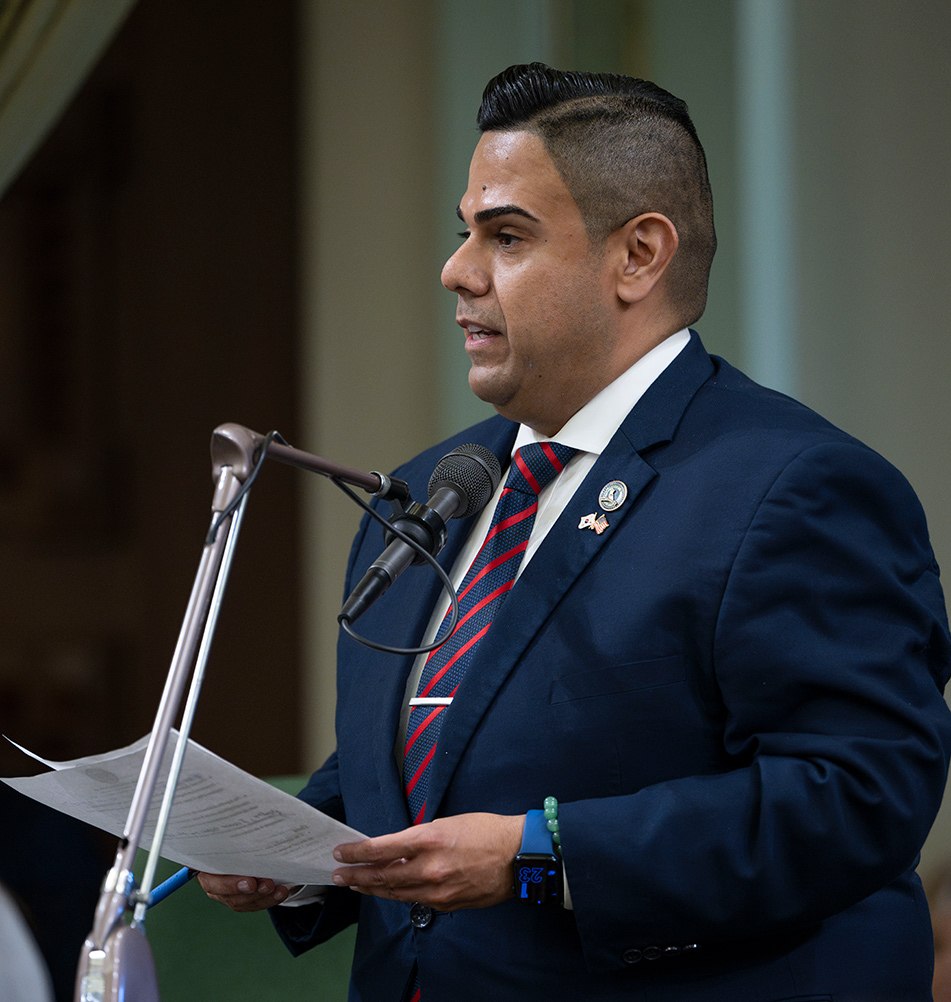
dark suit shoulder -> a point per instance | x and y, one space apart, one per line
753 424
747 401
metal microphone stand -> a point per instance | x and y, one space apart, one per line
116 963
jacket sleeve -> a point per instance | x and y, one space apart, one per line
830 652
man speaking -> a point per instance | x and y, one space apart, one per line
688 736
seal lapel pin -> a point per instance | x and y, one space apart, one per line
612 495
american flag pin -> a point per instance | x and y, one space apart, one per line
597 522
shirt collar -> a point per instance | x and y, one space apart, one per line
594 425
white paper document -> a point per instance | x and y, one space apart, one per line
223 819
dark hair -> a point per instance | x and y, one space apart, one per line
623 146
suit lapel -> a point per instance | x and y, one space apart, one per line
564 555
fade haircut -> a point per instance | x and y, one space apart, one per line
623 147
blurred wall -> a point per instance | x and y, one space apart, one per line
147 294
872 143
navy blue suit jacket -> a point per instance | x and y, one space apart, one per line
735 694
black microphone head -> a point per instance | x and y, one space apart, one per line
473 472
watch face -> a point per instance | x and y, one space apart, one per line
538 878
529 874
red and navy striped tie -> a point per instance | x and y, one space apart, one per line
483 590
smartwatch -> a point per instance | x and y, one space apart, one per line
539 875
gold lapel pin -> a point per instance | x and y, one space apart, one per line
612 495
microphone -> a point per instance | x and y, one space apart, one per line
460 486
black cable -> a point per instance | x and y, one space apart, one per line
272 436
428 557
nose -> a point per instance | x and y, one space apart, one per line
463 272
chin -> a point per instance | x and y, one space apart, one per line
488 392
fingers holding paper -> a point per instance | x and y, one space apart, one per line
242 894
458 862
450 863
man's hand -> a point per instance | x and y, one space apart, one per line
242 894
459 862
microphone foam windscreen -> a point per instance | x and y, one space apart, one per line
472 471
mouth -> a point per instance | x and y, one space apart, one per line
477 334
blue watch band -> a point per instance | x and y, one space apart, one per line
535 834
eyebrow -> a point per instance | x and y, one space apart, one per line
484 215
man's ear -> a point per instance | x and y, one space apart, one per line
646 246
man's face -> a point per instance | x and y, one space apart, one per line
536 301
